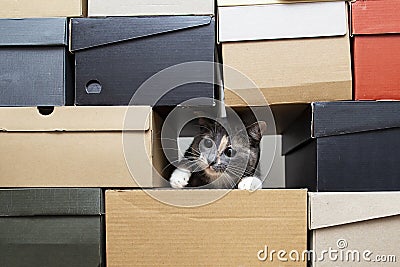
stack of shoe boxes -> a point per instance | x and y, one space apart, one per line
294 52
345 152
85 89
41 226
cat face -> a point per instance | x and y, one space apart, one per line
219 154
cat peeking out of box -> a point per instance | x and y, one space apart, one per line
216 159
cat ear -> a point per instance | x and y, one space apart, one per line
257 130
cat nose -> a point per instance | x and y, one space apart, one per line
217 167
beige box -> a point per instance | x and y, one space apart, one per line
150 7
78 147
42 8
363 229
299 60
232 231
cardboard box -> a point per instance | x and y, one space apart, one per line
78 147
376 30
298 60
25 43
51 227
42 8
277 117
150 8
115 56
231 231
362 227
344 146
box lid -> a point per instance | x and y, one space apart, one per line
42 8
332 209
33 31
325 119
265 22
51 201
337 118
375 17
149 7
264 2
77 119
93 32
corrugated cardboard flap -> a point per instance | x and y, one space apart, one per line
332 209
78 119
93 32
43 31
337 118
375 17
51 201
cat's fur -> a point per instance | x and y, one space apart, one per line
230 162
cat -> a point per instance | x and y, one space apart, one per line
217 160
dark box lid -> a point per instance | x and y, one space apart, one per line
338 118
33 31
51 201
92 32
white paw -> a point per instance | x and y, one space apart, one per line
250 183
179 178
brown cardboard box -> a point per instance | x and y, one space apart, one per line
77 147
232 231
42 8
299 60
150 7
364 228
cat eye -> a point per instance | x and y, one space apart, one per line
230 152
208 143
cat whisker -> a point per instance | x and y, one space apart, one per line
169 164
165 138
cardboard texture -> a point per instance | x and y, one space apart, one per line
34 42
115 56
150 8
77 147
376 26
265 22
333 151
289 71
42 8
290 68
142 231
376 214
51 227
